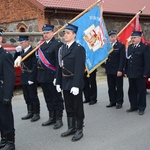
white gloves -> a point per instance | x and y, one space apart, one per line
30 82
17 61
74 90
148 79
58 88
54 81
18 48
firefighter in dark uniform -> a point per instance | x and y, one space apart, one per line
70 78
137 68
3 138
28 78
47 61
90 88
114 70
7 82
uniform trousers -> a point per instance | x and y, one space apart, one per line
137 93
74 104
30 94
53 99
115 88
1 127
6 118
90 87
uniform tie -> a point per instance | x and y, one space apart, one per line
134 46
67 47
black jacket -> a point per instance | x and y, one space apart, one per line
116 59
138 61
28 67
74 64
7 75
50 52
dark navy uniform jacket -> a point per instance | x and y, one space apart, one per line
7 75
50 52
116 59
138 61
73 61
28 67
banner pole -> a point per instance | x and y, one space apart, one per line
90 7
139 12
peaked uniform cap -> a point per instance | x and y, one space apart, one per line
72 27
136 33
48 27
112 32
23 38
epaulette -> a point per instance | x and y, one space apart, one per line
6 51
78 44
58 40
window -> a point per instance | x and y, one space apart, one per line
21 27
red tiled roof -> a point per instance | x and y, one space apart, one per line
115 6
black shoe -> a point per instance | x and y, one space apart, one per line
92 102
141 112
111 105
70 131
3 143
86 101
9 146
58 124
28 116
118 106
48 122
35 117
131 110
77 136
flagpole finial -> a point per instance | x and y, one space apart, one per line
142 9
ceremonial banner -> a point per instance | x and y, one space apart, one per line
92 35
134 25
124 36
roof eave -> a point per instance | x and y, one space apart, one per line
126 15
37 4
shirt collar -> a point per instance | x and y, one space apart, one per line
27 48
114 43
69 44
137 44
47 41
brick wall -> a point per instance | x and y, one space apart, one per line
19 10
14 12
111 23
119 23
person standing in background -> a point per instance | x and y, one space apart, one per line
114 69
137 69
90 88
28 78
